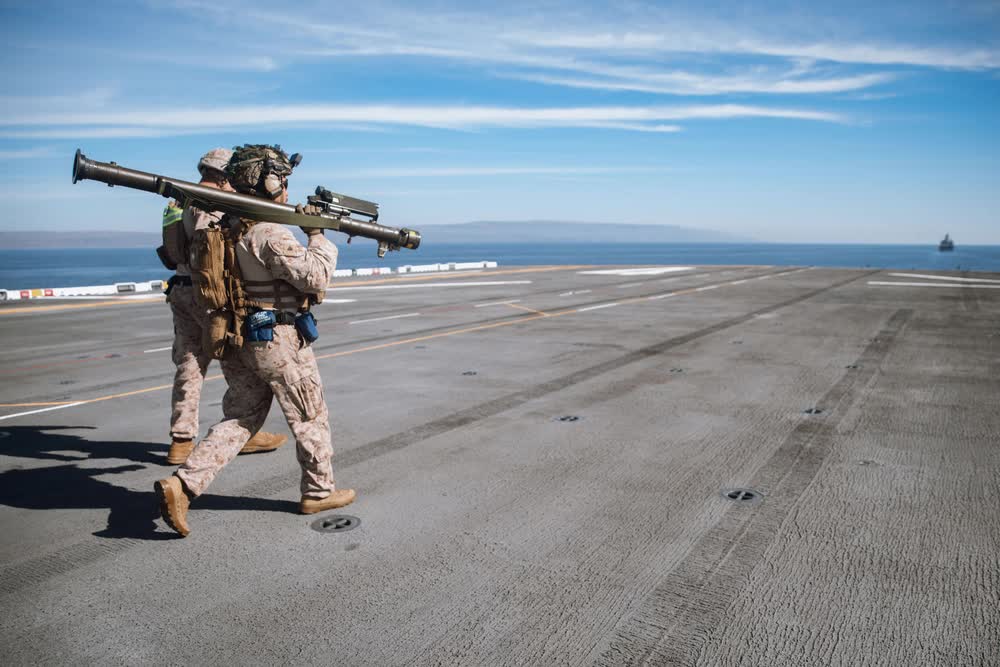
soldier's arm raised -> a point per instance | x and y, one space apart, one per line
308 269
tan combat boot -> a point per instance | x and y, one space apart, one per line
263 442
174 502
331 502
179 451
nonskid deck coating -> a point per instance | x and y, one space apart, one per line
494 533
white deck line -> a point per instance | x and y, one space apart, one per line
383 319
431 285
951 278
158 349
644 271
35 412
496 303
598 307
882 283
149 296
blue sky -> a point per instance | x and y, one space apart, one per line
771 120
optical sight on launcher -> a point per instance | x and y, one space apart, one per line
337 209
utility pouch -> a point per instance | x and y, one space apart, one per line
305 324
208 268
260 326
215 334
161 252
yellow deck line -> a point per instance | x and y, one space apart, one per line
395 343
333 355
530 310
75 306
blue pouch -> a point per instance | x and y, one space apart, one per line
305 324
260 326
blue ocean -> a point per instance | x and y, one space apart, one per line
73 267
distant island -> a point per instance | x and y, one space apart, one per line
531 231
547 231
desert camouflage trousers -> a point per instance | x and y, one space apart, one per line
191 361
284 369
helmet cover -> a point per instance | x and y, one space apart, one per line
259 169
217 159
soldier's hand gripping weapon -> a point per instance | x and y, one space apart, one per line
337 210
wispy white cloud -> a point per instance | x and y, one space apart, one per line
644 53
682 83
644 118
648 48
81 100
651 49
233 61
312 23
93 133
140 132
882 54
249 63
871 97
26 153
607 75
426 193
731 40
638 127
435 172
399 149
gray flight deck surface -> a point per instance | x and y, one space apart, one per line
494 533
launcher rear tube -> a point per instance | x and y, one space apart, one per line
85 169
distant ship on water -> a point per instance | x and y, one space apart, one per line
946 244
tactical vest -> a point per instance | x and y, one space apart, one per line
260 288
231 282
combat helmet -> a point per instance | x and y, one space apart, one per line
217 159
260 169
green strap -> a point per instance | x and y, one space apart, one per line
171 215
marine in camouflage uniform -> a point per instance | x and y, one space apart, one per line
279 274
190 321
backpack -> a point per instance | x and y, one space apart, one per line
218 283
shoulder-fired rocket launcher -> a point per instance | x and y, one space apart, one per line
337 209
